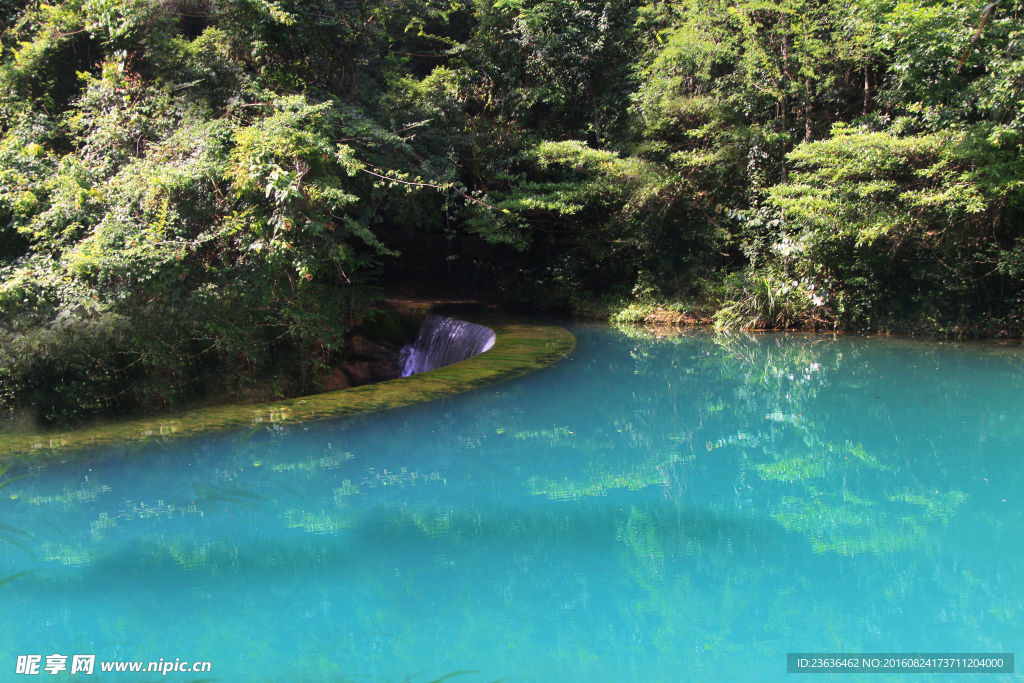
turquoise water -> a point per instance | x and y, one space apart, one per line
682 509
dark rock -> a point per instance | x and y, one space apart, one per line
371 361
335 380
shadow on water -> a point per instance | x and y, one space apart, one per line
408 678
356 678
11 534
211 496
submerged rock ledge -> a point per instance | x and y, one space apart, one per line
522 346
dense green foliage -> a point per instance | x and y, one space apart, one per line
200 197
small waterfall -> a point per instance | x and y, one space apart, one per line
442 341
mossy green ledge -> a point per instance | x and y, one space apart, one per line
521 346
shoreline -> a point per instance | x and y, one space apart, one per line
522 346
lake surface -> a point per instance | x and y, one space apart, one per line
678 509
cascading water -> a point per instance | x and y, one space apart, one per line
442 341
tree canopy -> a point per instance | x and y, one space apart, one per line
196 195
